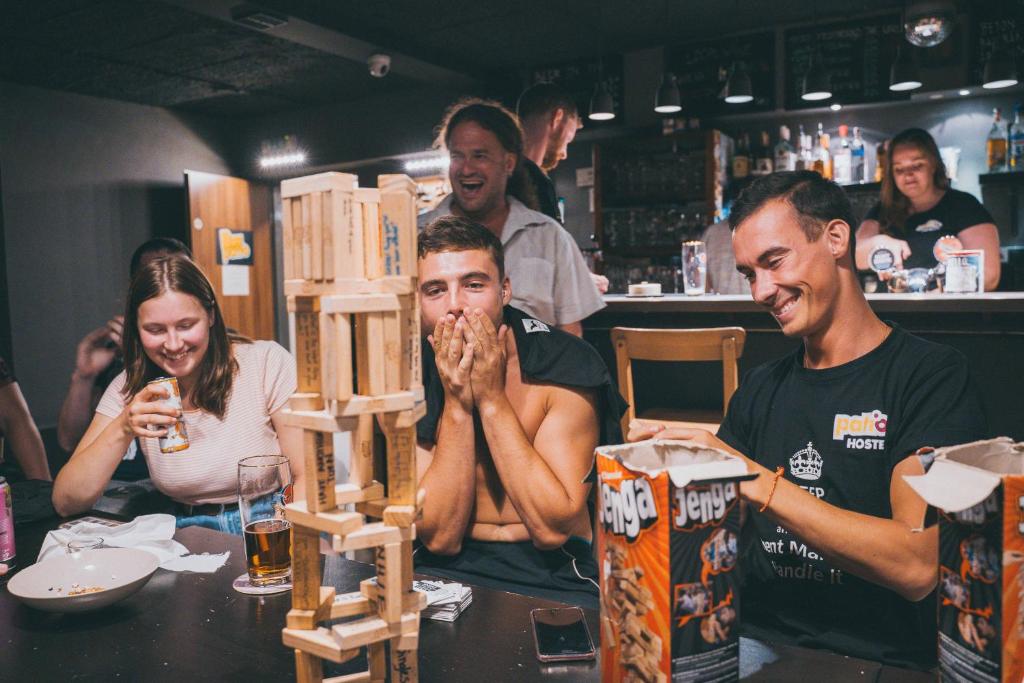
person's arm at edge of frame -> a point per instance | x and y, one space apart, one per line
446 469
544 485
92 356
21 433
894 553
985 236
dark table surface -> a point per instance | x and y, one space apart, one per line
195 627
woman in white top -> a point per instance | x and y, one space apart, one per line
232 392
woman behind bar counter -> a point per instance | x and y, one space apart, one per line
918 207
232 392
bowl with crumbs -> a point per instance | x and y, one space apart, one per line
85 580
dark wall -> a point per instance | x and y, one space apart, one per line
85 180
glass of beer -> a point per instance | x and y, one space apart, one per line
264 488
695 268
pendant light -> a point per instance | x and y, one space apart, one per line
738 89
667 100
602 108
817 83
904 74
1000 70
928 22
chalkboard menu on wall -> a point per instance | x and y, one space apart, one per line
858 54
580 77
995 25
702 70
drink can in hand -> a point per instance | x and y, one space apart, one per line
176 438
7 554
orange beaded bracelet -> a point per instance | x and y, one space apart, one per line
779 471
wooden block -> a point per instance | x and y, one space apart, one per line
409 418
409 641
296 249
307 238
412 601
370 535
409 330
392 347
318 451
306 576
360 471
384 403
368 201
320 182
372 508
401 454
337 522
316 234
357 677
404 665
336 356
305 318
319 420
370 372
299 618
400 515
398 223
306 401
359 303
378 661
355 634
318 642
389 581
408 571
351 493
350 605
347 237
327 221
287 238
400 285
308 668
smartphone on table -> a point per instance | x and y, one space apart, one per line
561 634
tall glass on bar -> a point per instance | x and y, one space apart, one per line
695 268
264 488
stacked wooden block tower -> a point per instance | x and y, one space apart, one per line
350 279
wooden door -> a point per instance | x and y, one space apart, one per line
230 232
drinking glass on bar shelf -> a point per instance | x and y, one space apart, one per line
264 488
695 268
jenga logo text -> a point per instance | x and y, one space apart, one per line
629 509
697 506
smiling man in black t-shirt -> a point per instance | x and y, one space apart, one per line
838 556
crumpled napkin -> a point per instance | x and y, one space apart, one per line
152 533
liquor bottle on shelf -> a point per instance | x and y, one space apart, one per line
858 167
741 159
881 156
785 157
803 157
763 157
1015 155
822 162
995 145
842 162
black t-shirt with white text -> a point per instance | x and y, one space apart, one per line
838 433
956 211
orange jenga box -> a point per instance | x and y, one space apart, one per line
978 489
668 543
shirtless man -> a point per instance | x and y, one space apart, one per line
514 411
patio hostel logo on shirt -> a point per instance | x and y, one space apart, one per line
929 226
865 432
532 325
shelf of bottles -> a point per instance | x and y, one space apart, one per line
1004 146
670 178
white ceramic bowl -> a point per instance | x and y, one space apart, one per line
118 571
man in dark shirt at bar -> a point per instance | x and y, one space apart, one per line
841 554
550 121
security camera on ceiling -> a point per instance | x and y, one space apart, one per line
380 65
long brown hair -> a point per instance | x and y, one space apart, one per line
496 118
177 273
895 207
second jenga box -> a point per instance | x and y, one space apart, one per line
978 489
668 549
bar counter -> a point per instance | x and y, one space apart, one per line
987 328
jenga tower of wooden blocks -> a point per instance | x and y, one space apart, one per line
350 279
